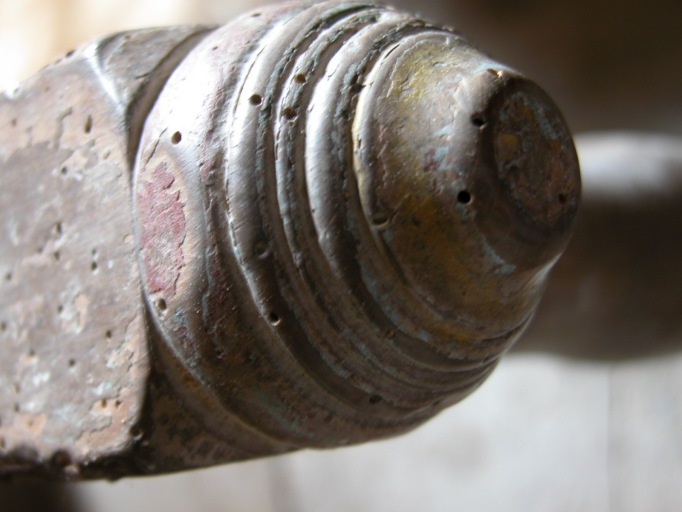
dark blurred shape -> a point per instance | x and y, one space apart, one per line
34 496
617 291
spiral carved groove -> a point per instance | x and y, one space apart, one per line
344 223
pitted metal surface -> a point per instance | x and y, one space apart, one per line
317 225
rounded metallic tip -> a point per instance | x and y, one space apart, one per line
468 174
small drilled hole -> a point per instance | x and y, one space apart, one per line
176 138
256 99
161 304
64 171
60 308
477 120
374 399
464 197
8 276
58 228
289 113
256 15
87 127
261 249
300 78
380 219
72 363
69 53
61 459
274 318
108 335
93 266
56 255
31 353
562 198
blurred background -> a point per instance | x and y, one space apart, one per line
544 433
610 64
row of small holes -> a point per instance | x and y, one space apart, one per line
289 113
381 219
93 263
104 402
87 126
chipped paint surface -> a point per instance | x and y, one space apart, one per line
162 232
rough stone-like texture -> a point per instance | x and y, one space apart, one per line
74 351
75 355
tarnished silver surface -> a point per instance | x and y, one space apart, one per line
317 225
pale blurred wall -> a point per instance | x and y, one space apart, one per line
36 32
